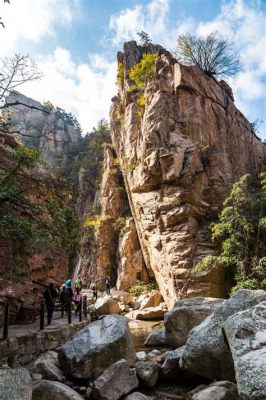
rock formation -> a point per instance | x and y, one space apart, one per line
46 129
180 154
110 244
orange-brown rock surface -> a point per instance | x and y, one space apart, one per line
110 245
180 154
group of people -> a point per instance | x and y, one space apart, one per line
94 288
67 296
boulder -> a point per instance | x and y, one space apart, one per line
152 300
116 381
119 295
147 372
156 338
106 306
150 314
246 335
136 396
223 390
161 359
185 315
50 390
15 384
135 305
170 368
47 366
141 356
96 347
206 352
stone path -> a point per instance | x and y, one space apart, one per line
34 327
29 329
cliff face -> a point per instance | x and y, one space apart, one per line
109 245
26 269
179 154
42 127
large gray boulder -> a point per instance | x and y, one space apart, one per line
156 338
116 381
50 390
222 390
246 335
96 347
170 369
106 306
136 396
47 366
185 315
206 352
15 384
148 372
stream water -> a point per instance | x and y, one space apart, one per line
178 390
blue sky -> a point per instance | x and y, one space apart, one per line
75 44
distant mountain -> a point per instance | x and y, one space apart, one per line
46 127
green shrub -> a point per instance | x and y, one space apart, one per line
241 233
139 287
143 70
120 75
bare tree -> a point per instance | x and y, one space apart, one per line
1 22
14 72
212 54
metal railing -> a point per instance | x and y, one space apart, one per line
82 311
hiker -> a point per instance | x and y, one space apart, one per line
94 291
63 298
68 285
79 283
77 299
108 284
50 296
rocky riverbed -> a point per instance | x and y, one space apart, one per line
208 349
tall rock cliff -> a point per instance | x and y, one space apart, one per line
181 143
109 244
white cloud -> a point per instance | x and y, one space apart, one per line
32 20
86 88
151 18
78 88
244 23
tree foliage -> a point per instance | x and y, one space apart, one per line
35 209
143 70
144 38
86 155
241 231
212 54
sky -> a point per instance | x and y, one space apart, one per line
75 43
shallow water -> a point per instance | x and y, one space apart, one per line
140 330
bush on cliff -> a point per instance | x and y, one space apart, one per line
241 231
212 54
143 70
